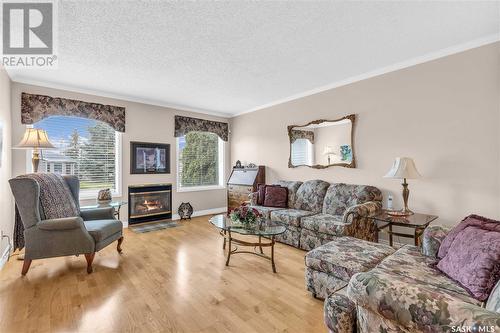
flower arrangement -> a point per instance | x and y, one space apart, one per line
245 215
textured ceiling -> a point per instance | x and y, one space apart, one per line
231 57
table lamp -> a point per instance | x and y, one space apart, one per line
403 168
35 139
328 151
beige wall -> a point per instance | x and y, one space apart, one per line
143 123
5 157
445 114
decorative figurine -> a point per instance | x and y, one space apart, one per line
185 211
104 197
238 164
251 166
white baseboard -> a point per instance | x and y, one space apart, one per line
195 214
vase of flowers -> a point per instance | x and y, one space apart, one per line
247 216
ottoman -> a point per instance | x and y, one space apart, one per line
329 267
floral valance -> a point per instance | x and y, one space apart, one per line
299 134
38 107
184 125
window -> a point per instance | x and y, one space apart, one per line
302 152
86 148
200 161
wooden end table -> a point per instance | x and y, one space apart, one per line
418 222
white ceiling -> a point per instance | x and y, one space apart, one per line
233 57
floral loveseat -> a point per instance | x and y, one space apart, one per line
405 293
319 212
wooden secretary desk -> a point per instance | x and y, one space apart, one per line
241 183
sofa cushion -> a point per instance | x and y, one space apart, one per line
265 211
292 187
310 195
471 220
311 239
346 256
493 303
339 197
407 261
289 216
102 229
324 223
276 196
473 260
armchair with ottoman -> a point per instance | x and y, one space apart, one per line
48 210
318 212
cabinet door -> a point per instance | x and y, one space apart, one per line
237 195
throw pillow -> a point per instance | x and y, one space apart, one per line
471 220
276 196
473 260
261 194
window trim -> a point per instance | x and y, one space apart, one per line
222 164
92 194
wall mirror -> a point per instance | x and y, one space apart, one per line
322 143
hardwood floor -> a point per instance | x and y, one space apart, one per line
172 280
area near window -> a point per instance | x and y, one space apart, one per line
200 161
302 152
86 148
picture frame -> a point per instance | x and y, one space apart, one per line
149 158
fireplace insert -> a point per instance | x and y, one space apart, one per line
150 202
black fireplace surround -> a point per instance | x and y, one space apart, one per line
150 202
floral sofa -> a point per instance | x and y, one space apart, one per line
405 293
319 212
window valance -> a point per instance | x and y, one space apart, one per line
38 107
184 125
299 134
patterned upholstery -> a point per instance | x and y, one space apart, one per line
340 313
289 216
310 195
312 211
328 265
339 197
324 223
265 211
393 303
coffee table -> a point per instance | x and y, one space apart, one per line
267 231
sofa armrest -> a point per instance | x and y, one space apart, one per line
362 210
416 307
431 240
339 313
253 198
103 213
66 223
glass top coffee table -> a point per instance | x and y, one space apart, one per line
267 231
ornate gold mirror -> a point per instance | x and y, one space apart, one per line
323 143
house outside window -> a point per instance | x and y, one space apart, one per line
87 148
200 161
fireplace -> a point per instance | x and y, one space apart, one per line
149 202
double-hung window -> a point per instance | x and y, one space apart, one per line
200 161
87 148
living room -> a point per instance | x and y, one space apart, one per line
164 168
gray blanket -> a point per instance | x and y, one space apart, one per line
56 201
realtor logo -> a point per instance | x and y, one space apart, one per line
28 29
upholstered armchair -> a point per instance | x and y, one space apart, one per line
85 234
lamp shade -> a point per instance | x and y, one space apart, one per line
403 167
35 138
329 150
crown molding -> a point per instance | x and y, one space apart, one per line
384 70
126 98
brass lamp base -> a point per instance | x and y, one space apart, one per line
401 212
